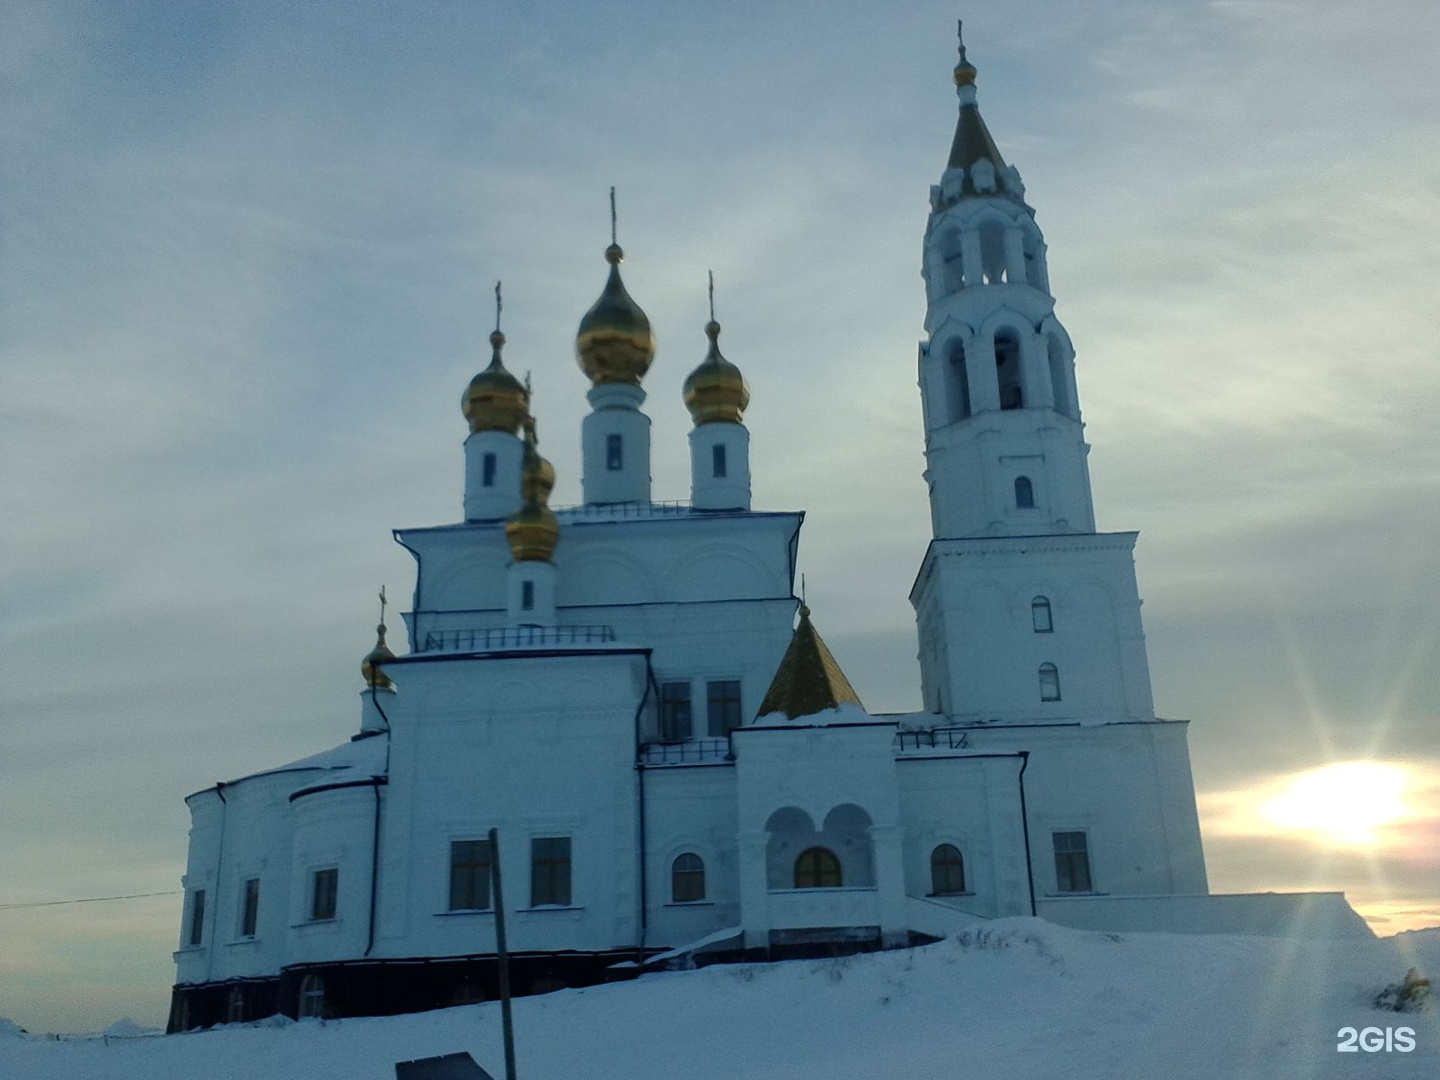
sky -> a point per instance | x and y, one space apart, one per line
247 254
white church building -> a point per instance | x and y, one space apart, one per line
632 694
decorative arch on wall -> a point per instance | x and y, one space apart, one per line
602 578
846 832
791 831
475 581
720 572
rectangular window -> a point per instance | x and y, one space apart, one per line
717 460
249 907
197 917
675 724
1072 862
326 884
487 465
722 707
527 596
550 871
470 875
614 453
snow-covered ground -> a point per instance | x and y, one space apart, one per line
1016 998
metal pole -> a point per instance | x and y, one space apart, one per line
502 957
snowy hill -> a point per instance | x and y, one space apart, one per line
1016 998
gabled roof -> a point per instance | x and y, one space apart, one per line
808 680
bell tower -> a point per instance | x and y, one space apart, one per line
1025 612
1005 448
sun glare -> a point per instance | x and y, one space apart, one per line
1345 802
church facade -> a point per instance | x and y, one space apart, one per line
632 695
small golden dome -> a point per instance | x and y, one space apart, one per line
495 400
533 531
537 476
370 667
614 344
716 392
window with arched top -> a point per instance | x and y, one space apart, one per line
1007 370
1024 493
1040 615
947 871
312 998
817 868
687 878
1049 682
957 384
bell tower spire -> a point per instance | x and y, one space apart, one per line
1004 444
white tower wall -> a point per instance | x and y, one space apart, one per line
615 445
530 593
720 466
492 475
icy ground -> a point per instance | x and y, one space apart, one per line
1017 998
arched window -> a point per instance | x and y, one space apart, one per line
1040 615
817 868
687 878
947 871
1024 493
312 997
1049 683
1007 370
957 384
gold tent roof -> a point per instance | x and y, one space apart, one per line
808 680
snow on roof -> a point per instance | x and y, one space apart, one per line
359 757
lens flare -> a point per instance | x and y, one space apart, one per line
1346 803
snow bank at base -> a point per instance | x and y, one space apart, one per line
1019 998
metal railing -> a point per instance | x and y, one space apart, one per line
939 739
513 637
666 507
691 752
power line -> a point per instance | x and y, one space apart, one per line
90 900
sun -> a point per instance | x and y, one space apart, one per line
1346 802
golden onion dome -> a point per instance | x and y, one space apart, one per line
615 344
371 667
537 476
716 392
495 400
533 531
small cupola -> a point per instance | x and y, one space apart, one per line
533 530
716 391
496 400
615 343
